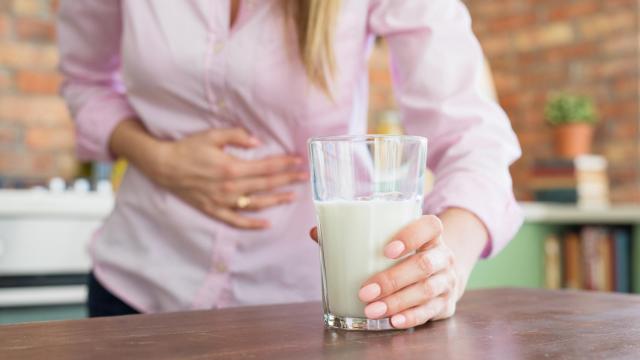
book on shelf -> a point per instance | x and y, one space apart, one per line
591 258
622 259
597 263
553 262
581 181
572 256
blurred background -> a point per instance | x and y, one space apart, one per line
565 71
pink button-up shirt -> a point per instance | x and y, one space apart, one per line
181 69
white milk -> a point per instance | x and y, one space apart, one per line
352 236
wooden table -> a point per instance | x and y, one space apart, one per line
490 324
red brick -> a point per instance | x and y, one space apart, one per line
38 110
9 135
617 4
23 55
40 164
544 36
571 52
511 22
496 44
616 67
571 10
25 164
42 139
28 7
27 29
603 25
6 81
626 85
545 77
619 109
38 82
5 26
625 43
506 81
494 9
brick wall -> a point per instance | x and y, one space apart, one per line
539 46
534 46
585 46
36 133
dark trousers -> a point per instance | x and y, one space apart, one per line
103 303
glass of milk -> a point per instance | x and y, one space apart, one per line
365 188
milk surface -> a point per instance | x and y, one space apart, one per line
352 237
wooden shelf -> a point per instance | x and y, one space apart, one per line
571 214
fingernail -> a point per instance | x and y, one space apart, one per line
297 161
369 292
394 249
303 176
375 310
398 320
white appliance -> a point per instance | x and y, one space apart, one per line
44 236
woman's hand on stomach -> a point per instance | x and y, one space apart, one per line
197 170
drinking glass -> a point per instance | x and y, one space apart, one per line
365 188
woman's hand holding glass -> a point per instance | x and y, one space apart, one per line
423 286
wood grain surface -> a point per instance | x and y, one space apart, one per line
489 324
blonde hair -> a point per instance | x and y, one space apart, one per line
315 22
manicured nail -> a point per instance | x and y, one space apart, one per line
369 292
375 310
398 320
394 249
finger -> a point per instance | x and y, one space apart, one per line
411 270
267 166
232 218
233 136
259 202
314 233
415 235
265 183
420 314
448 310
411 296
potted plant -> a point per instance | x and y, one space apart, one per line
572 117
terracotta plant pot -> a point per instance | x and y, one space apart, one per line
571 140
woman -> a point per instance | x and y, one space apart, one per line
212 103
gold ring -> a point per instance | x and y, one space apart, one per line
243 202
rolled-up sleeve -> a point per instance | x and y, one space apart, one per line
437 66
89 41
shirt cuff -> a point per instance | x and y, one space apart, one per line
494 206
94 124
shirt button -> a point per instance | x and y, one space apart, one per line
221 268
218 46
221 104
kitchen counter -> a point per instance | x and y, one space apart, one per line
497 324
